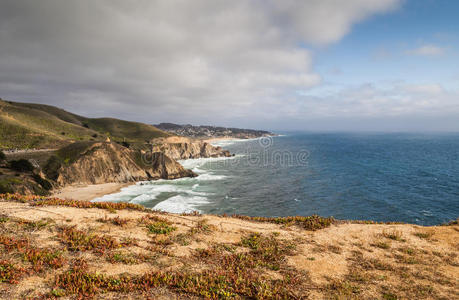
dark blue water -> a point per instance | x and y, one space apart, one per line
383 177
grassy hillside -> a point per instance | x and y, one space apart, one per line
120 129
27 125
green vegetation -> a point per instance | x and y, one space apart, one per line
21 165
423 235
78 240
2 156
45 184
121 257
231 262
313 222
9 272
125 131
395 235
160 228
72 152
27 125
51 168
382 245
7 185
43 201
115 221
38 257
157 225
228 276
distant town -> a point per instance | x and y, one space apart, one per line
205 131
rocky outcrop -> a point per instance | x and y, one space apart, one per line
190 149
104 162
159 165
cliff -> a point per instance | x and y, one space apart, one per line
103 162
183 148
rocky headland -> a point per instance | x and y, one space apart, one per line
92 163
185 148
105 162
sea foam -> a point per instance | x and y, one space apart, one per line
184 194
181 204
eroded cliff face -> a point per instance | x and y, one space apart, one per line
110 162
190 149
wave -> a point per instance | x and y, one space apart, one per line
181 204
223 143
180 195
193 163
210 177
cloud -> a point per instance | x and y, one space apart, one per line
427 50
173 60
373 101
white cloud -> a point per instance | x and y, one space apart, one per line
171 60
372 101
427 50
424 89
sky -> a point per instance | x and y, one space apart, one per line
315 65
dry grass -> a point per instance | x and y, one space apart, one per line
74 250
393 234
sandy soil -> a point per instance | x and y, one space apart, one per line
89 192
342 261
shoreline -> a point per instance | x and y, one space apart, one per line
89 192
219 139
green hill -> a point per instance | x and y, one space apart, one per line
28 125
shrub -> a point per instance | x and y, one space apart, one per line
43 182
115 221
313 222
21 165
5 188
52 167
160 228
2 155
77 240
38 257
423 235
395 235
43 201
9 272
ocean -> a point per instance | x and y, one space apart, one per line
406 177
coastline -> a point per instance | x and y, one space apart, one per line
219 139
89 192
83 192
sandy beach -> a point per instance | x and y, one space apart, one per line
89 192
213 140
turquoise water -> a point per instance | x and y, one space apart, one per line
383 177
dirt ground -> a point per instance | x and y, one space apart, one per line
60 251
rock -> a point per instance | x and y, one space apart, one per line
161 166
191 149
104 162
